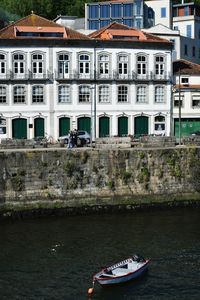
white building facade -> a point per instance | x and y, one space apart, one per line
187 95
58 80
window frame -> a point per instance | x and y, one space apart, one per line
84 95
158 96
65 95
84 65
103 94
37 65
144 95
104 65
3 67
142 66
2 95
63 65
39 97
161 124
122 93
123 65
19 65
20 95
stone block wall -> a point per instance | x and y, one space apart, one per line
93 177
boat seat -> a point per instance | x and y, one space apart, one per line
121 271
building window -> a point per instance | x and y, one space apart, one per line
3 94
122 93
123 65
185 80
186 11
19 94
176 100
128 10
18 64
84 94
116 10
37 64
37 94
163 12
104 96
84 64
64 94
193 51
196 101
105 11
189 31
173 43
2 125
141 96
2 64
159 65
93 11
63 65
185 50
141 65
103 65
159 94
159 124
175 27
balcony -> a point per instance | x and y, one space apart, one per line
28 76
4 77
40 76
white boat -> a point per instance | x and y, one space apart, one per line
123 271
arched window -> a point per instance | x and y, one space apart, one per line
19 64
103 65
159 65
37 64
84 64
141 64
37 94
159 123
123 65
2 64
84 94
63 65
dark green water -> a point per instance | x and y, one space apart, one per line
55 258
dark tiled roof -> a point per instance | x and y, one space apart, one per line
37 21
186 67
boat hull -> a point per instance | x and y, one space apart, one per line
122 279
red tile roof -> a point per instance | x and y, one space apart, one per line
119 31
39 24
186 67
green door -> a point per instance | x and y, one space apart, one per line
141 125
122 126
64 126
104 126
19 128
39 127
188 126
84 123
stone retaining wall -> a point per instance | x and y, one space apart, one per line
97 178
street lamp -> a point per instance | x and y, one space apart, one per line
179 104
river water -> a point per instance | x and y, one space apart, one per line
55 258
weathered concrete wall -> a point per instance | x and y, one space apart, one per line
89 177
